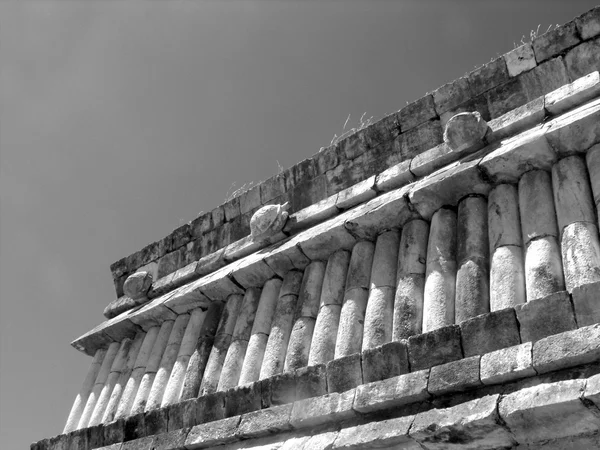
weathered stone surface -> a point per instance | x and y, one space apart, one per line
183 414
391 433
242 399
435 347
507 364
344 373
504 224
356 194
470 425
408 306
567 349
451 94
118 306
592 389
583 59
447 187
488 76
385 361
548 411
156 421
207 434
543 268
172 439
545 316
433 159
520 60
394 177
114 432
319 242
210 407
555 41
321 410
580 254
418 139
322 347
440 278
545 78
265 422
351 323
278 390
311 215
516 120
588 24
572 95
299 344
506 97
417 112
536 205
465 132
489 332
454 376
586 302
311 381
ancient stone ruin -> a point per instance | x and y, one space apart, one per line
434 284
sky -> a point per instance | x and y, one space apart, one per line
122 120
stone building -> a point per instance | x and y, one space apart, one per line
430 282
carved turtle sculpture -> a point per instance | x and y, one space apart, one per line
268 220
137 285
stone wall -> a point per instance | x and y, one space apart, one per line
429 289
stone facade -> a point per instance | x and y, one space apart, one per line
436 285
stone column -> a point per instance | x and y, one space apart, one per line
166 363
410 280
472 277
440 275
214 366
593 165
352 316
84 392
115 396
139 368
232 366
139 403
543 266
199 358
322 347
281 326
188 344
507 273
576 222
306 315
115 372
107 362
260 331
379 314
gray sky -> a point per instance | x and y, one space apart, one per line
120 121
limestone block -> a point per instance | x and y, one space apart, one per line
356 194
465 132
433 159
519 154
328 408
408 306
210 407
320 241
311 215
385 361
391 433
168 359
118 306
440 278
139 368
385 212
543 268
506 97
299 344
520 60
489 332
568 349
593 166
232 365
412 252
507 364
580 254
435 347
451 94
253 359
379 316
392 393
84 392
279 336
418 139
583 59
455 376
536 205
359 272
311 381
266 306
214 365
344 373
211 433
586 302
547 411
555 41
291 283
172 439
101 378
278 390
588 24
572 192
135 427
447 187
265 422
322 346
517 120
592 389
507 278
470 425
545 78
545 316
251 271
488 76
417 112
242 399
182 415
351 323
334 280
576 130
383 271
574 94
504 223
394 177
